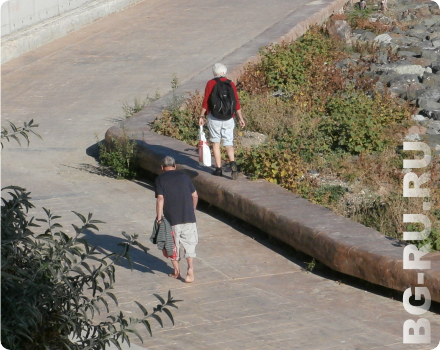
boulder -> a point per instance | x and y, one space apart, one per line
403 53
413 91
403 79
424 62
365 35
383 39
431 113
435 66
339 29
427 104
430 55
430 79
433 128
436 43
418 33
418 118
432 94
417 129
251 139
401 67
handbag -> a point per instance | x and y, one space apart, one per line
204 151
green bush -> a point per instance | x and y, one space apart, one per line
358 123
50 289
121 156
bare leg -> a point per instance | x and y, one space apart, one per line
230 152
190 275
176 269
217 155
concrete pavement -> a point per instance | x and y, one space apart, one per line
248 294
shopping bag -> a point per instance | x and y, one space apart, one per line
204 151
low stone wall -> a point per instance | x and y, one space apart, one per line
337 242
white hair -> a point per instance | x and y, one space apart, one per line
168 161
219 70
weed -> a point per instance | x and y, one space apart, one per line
121 156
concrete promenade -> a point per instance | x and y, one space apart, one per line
248 294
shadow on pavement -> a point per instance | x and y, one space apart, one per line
142 262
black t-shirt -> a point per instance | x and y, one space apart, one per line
177 188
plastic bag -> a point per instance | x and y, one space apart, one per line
204 151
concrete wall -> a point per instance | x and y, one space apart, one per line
28 24
21 14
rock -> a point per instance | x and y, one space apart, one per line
415 49
432 94
417 129
431 113
402 40
401 68
413 137
435 66
365 34
413 91
418 118
383 39
417 33
406 53
419 61
430 79
436 43
425 45
251 139
430 55
433 128
339 29
382 57
427 104
429 22
405 78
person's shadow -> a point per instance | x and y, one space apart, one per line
142 261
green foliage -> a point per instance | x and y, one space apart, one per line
180 123
286 67
121 156
19 131
357 123
273 163
50 289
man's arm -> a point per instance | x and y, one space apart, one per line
159 208
195 200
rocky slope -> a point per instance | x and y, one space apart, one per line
408 64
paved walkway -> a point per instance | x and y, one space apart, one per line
247 295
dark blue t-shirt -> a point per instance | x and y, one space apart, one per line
177 188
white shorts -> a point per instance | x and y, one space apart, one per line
186 237
221 130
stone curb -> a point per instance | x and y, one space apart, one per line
339 243
25 40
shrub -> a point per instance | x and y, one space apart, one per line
50 289
180 122
121 156
357 123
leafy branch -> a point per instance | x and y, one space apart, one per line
19 131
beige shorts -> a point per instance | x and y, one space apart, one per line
186 237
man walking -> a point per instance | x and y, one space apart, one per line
177 201
221 104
